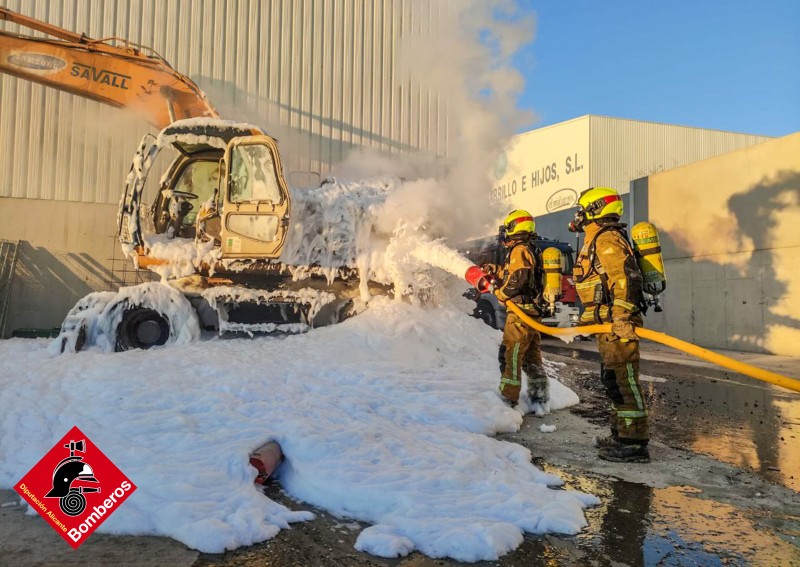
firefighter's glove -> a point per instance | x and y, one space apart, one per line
489 269
624 329
543 307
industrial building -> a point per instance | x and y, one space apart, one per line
321 77
544 170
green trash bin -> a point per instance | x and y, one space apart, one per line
36 333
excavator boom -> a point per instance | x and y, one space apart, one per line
100 70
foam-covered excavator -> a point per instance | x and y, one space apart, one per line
222 209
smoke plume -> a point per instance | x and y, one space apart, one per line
467 61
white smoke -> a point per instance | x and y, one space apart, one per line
464 63
468 62
461 62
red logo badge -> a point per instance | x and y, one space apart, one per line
75 487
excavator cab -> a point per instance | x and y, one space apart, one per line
226 183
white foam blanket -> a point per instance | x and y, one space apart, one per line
384 418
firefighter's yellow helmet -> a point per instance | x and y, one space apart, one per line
600 202
519 222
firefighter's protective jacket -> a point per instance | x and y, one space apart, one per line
607 276
517 275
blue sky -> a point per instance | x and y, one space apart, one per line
727 65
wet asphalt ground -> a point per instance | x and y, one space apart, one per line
722 488
709 410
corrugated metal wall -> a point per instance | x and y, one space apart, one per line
318 75
623 150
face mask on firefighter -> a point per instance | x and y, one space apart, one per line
578 221
501 233
590 212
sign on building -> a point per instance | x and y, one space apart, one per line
543 171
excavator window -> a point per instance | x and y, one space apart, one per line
175 210
253 176
199 178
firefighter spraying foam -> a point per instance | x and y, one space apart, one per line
519 280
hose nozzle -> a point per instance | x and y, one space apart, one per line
480 280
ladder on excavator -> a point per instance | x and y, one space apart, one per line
8 261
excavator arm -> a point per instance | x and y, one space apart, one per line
126 76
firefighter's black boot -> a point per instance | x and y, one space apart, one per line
608 441
623 452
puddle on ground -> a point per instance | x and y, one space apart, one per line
640 526
727 416
744 424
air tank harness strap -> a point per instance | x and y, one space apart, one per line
656 250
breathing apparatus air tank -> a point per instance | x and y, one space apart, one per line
651 263
551 263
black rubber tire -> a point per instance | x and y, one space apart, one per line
141 328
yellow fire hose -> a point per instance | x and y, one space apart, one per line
721 360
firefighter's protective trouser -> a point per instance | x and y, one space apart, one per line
521 351
619 371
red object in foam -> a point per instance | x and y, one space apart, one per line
265 460
479 279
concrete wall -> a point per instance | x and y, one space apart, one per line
66 250
730 230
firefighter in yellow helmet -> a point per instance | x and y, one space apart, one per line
521 283
609 283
